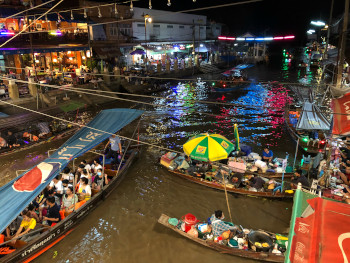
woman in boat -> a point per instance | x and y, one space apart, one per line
31 137
28 224
87 175
84 190
69 200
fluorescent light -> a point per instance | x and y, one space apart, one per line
249 38
240 38
318 23
277 38
289 37
230 38
268 38
222 38
259 39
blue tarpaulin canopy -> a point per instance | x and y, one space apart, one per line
17 194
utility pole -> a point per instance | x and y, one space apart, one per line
343 45
194 38
329 30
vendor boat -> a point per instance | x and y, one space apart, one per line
230 188
251 254
23 191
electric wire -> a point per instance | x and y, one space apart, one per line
34 7
34 21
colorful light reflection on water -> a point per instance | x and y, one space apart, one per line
259 116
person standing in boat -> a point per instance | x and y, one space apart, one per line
267 155
116 147
217 225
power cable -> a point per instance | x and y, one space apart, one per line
34 7
82 90
34 21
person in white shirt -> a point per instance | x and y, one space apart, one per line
67 175
56 185
96 165
86 165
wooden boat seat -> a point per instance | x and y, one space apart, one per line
94 191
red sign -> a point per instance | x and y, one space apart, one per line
323 236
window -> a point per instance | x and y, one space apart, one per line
140 25
169 26
182 27
156 26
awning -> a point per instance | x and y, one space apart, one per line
107 52
13 51
312 119
321 228
341 115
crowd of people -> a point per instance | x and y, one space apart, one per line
65 193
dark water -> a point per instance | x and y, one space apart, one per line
124 228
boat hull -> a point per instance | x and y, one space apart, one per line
36 247
261 256
230 188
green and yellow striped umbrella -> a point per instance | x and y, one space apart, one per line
208 147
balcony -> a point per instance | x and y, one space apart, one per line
44 39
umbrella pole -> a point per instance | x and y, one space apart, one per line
228 205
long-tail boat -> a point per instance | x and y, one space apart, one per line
16 195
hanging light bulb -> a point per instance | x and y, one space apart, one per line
71 15
115 9
194 1
150 4
99 12
169 3
58 18
46 19
131 6
85 14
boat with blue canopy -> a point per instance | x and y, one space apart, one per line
16 195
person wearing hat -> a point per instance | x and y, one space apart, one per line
218 226
267 155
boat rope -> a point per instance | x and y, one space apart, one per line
34 21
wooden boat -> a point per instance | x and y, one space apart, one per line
260 256
61 135
307 146
80 143
230 188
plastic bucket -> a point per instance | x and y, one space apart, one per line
189 220
2 238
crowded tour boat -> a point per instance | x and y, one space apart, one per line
44 204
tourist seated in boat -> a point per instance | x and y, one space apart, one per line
30 137
11 140
345 154
84 190
3 143
267 155
28 224
69 200
95 166
56 186
78 173
31 209
256 183
115 149
299 178
53 212
86 165
45 206
87 175
67 175
218 225
65 185
99 180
